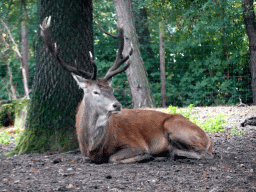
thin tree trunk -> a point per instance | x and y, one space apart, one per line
162 63
25 58
136 73
13 90
16 50
250 24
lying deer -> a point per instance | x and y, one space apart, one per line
108 133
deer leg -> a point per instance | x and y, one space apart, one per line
189 154
192 154
129 155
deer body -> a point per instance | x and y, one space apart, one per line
133 135
106 133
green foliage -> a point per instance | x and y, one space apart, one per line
206 51
237 132
174 109
12 109
213 125
13 14
6 111
205 43
171 109
4 138
210 125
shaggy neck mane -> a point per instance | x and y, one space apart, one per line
96 125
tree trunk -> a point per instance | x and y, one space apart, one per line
162 62
143 31
250 24
25 58
12 93
50 124
136 73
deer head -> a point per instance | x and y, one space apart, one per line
97 91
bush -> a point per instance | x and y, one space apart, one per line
10 110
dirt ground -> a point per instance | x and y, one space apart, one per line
232 169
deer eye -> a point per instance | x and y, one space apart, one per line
96 93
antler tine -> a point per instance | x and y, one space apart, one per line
93 65
45 33
104 31
119 57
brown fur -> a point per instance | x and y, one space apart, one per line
80 129
102 83
134 134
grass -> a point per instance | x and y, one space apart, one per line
6 135
5 138
209 125
237 132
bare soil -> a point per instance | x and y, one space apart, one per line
232 169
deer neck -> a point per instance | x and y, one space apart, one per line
97 123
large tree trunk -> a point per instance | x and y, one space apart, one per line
250 24
25 58
136 73
50 124
162 62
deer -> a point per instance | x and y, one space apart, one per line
107 133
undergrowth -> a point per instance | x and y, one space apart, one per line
4 138
209 125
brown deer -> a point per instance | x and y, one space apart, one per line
108 133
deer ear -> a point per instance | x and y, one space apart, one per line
81 82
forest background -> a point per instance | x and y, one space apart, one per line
206 49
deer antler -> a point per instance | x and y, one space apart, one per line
45 33
119 56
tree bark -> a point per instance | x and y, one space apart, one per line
50 124
136 73
250 24
12 93
162 63
25 58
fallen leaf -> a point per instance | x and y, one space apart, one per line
34 171
213 168
70 186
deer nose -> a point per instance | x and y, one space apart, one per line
117 106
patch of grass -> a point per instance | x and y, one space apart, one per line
208 125
4 138
237 132
213 125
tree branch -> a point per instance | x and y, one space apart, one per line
10 35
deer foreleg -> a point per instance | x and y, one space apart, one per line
129 155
